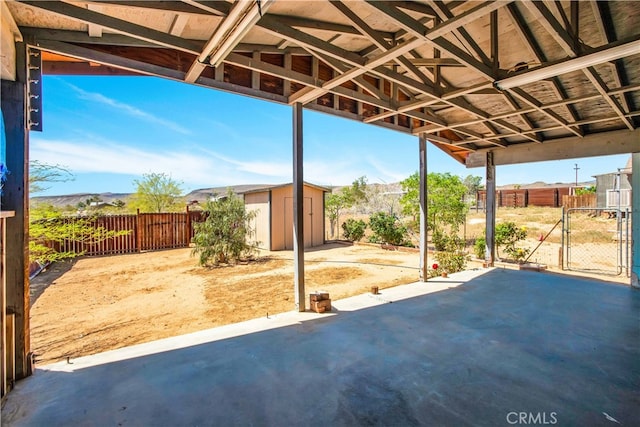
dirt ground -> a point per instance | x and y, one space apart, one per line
103 303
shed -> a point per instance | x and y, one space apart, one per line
273 223
607 188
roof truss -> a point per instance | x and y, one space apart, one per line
423 67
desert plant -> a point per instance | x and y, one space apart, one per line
451 262
479 247
446 209
353 229
224 236
387 229
48 229
343 199
157 192
507 235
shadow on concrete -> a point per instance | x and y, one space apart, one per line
558 348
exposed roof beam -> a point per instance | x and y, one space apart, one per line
606 53
416 7
563 102
108 59
463 35
277 71
401 49
354 72
435 35
564 40
601 12
596 144
275 27
377 38
168 5
550 23
93 29
432 62
602 88
241 18
118 25
294 21
178 24
532 44
148 69
108 39
528 99
341 68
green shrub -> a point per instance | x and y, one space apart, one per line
451 262
507 235
353 229
223 236
447 242
387 229
479 247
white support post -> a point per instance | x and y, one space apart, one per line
490 230
635 218
298 209
423 209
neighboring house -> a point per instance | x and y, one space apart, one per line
273 224
609 184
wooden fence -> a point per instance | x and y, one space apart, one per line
581 201
146 232
522 198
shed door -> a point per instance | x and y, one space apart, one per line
288 223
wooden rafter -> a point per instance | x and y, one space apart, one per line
563 38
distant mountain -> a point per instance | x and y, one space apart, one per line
203 194
74 199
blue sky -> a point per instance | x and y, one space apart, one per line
110 130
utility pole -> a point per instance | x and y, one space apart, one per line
576 169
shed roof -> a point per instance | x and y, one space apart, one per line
470 76
205 193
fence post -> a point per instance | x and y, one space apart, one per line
138 232
188 225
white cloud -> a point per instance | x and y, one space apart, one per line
384 173
202 169
195 168
129 109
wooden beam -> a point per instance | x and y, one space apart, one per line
108 59
550 23
298 209
592 145
275 27
16 198
435 35
227 35
178 24
293 76
602 88
379 41
121 26
524 31
184 6
108 39
461 34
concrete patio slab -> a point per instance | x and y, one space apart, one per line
487 347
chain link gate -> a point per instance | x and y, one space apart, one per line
588 249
